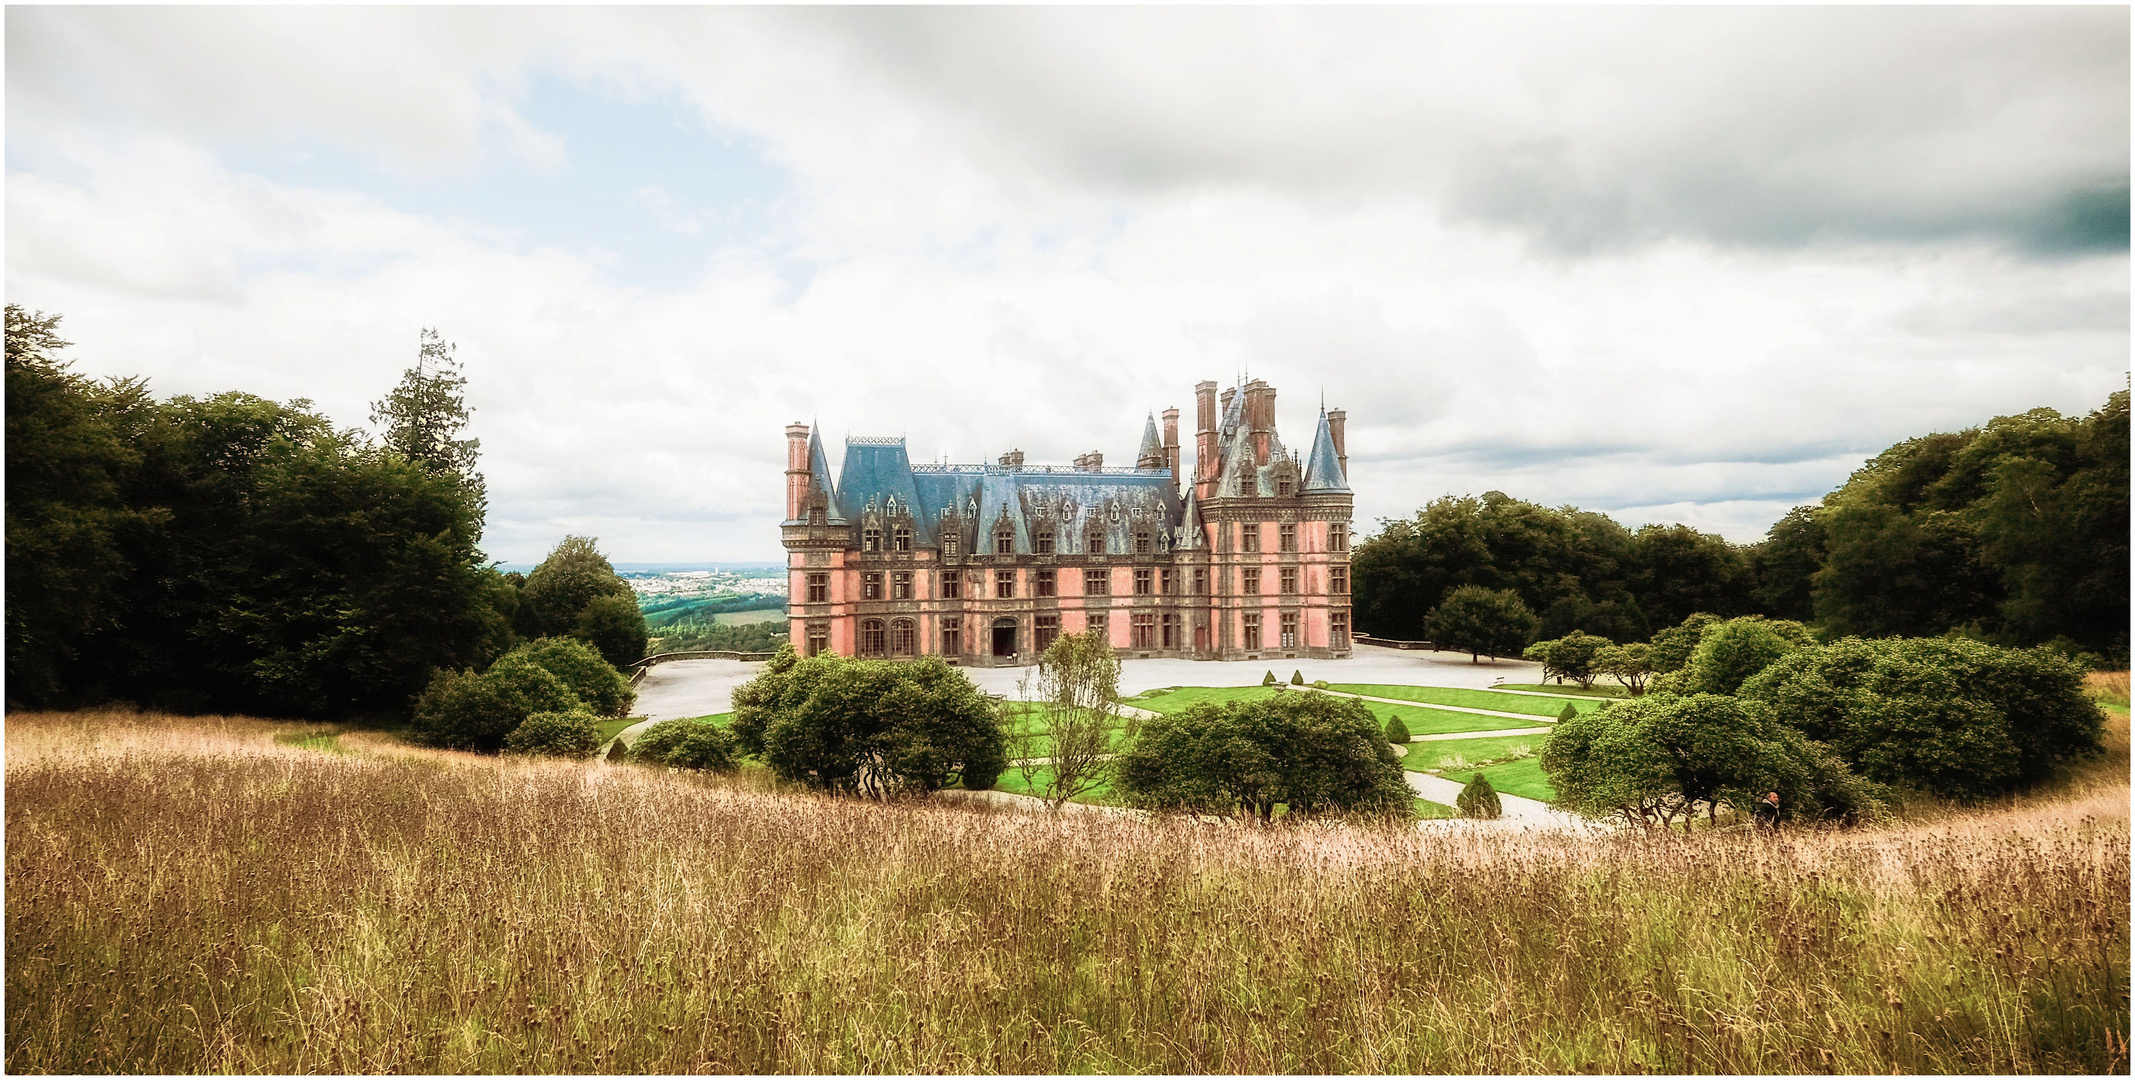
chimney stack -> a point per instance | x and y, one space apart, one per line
796 469
1260 417
1171 444
1012 459
1336 418
1204 436
1094 461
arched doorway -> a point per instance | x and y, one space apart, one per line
1004 637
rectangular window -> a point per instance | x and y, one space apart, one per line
1289 581
1044 542
1142 543
1251 575
871 586
1200 582
952 585
1004 542
1101 625
1048 585
1004 584
1144 583
1249 535
1048 628
1252 630
818 638
1289 629
818 590
1338 630
871 540
901 585
1171 582
951 542
903 538
1144 627
1338 580
1097 542
1338 537
1171 631
1286 536
871 637
1097 583
952 636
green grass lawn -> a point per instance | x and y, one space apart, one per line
1571 689
1420 719
1523 778
1012 782
1035 716
1427 721
1466 699
1425 756
1431 811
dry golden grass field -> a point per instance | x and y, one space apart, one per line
193 895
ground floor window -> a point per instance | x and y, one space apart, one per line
952 636
1144 629
1252 631
871 637
1171 631
1338 630
1289 629
818 638
1101 625
1047 628
901 637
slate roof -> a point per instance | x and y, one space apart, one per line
879 478
1323 469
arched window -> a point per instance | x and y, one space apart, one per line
871 637
1004 541
901 637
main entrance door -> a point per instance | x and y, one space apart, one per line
1004 637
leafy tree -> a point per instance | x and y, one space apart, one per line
1574 656
1948 716
1655 759
613 625
1671 648
1479 800
688 744
1312 752
593 679
423 416
1476 620
871 727
465 711
1785 565
67 461
570 734
1078 680
1396 731
1630 665
1679 570
558 591
1731 651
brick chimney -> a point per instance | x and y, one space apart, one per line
1171 444
796 469
1204 436
1260 417
1012 459
1336 418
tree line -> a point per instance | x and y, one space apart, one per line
2014 532
237 554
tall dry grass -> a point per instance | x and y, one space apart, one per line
189 896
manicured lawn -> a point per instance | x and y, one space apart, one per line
1523 778
1427 721
609 728
1466 699
1420 719
1012 782
1030 714
1572 689
1425 756
1179 698
1430 811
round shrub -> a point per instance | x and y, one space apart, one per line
1396 731
687 744
466 711
570 734
1479 800
597 683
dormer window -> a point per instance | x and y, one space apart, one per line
1097 542
1142 542
902 539
1004 542
1282 488
1043 542
871 540
951 541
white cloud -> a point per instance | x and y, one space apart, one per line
1029 228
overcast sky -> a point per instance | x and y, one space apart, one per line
1675 265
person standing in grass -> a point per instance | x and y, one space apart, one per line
1767 810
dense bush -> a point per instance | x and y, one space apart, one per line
596 682
873 727
570 734
1567 712
1671 648
1396 731
466 711
1268 679
1575 656
687 744
1658 758
1947 716
1729 652
1297 678
1479 800
1312 752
